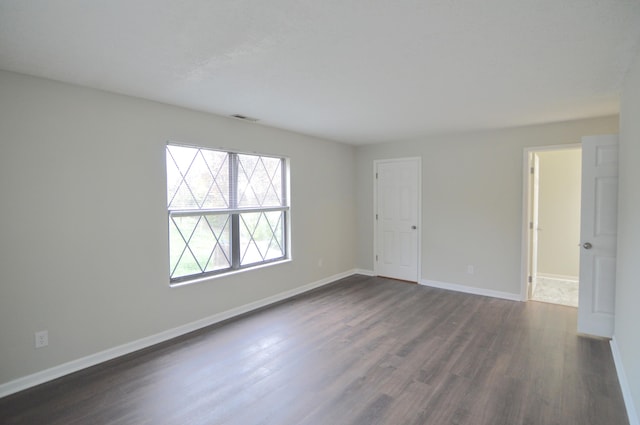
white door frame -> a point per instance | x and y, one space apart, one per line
418 160
527 191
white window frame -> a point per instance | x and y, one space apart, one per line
235 211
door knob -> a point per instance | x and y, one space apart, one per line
587 245
414 227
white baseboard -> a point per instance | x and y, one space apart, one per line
364 272
624 384
471 290
130 347
557 277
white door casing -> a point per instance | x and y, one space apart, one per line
598 235
534 224
397 230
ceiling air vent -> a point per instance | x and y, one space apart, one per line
244 118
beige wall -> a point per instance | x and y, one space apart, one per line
471 199
627 330
83 239
83 235
559 213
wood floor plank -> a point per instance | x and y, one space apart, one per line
365 350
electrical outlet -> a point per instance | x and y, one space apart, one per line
42 339
470 269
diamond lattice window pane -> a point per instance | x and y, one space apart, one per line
259 181
197 178
261 237
199 244
179 159
218 165
220 225
275 249
181 259
273 195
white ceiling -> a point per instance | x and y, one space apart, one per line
358 71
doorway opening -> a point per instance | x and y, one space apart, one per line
553 225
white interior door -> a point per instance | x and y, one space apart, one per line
397 194
598 235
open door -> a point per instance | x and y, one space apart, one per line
598 235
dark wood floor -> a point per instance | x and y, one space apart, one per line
362 351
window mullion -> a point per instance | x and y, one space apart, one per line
285 201
235 217
283 182
233 180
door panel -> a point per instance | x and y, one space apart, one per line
606 196
604 272
598 235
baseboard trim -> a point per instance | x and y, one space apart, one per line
364 272
471 290
55 372
624 384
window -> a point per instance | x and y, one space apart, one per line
227 211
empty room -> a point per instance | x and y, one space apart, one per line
295 212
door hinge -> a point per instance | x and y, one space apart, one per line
376 258
376 216
531 225
376 175
533 170
530 279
